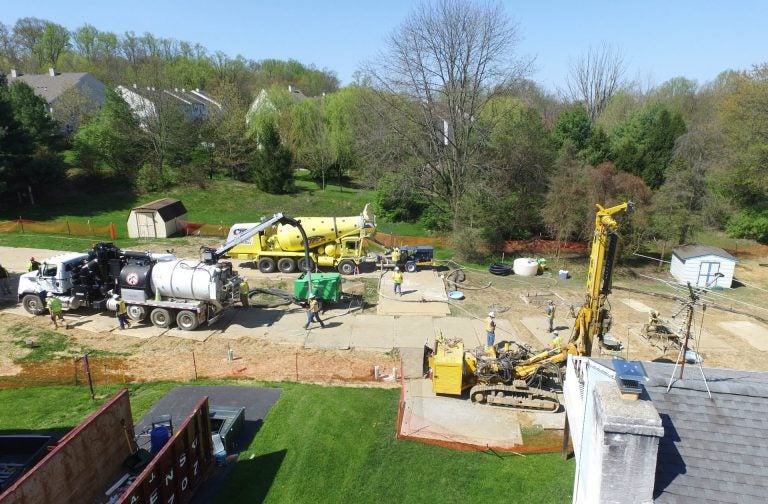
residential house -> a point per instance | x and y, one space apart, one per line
144 101
665 434
53 85
262 102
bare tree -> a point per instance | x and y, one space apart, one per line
595 77
441 67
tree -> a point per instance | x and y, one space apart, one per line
573 126
595 78
49 47
16 146
232 150
112 138
442 66
271 169
86 40
27 32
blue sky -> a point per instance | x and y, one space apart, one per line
696 39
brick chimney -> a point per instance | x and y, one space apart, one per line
620 440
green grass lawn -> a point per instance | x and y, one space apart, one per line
326 444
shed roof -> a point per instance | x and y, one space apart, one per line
691 251
713 450
168 208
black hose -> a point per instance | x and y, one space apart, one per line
500 269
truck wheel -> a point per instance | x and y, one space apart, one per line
286 265
136 312
161 318
33 304
410 267
303 266
187 320
346 267
266 265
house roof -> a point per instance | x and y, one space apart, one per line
691 251
50 88
713 450
168 208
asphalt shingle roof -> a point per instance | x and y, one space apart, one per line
689 251
713 450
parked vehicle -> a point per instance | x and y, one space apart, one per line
336 242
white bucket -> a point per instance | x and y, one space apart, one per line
525 266
375 372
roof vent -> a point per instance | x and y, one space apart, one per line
629 374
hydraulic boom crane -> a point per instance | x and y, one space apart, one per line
593 318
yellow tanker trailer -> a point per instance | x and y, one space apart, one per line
333 241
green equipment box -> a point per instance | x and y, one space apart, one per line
326 286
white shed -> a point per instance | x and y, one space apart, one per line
700 264
158 219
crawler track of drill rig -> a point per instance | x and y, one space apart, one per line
499 382
518 396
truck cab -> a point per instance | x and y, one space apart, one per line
55 276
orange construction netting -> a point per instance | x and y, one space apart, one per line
65 227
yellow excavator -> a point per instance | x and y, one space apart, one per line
513 375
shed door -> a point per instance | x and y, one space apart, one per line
145 223
707 272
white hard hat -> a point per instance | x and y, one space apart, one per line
397 269
491 314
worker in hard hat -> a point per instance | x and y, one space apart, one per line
396 255
557 341
54 307
397 279
313 312
244 290
551 315
33 265
490 329
122 313
653 318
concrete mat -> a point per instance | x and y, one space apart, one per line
414 332
454 420
373 332
754 334
636 305
333 337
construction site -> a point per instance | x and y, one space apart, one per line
427 336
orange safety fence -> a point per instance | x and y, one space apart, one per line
202 229
65 227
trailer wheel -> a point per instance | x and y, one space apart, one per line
161 318
302 264
346 267
266 265
410 267
136 312
187 320
33 304
286 265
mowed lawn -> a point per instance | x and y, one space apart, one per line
327 444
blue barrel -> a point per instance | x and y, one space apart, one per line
158 437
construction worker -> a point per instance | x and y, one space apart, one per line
54 307
33 265
557 341
4 280
490 329
653 318
396 255
551 315
244 290
122 313
397 279
313 312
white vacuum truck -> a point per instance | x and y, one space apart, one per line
160 286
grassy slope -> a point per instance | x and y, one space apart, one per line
326 444
322 444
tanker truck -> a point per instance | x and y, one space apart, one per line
160 286
335 242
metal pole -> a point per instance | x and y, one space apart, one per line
194 363
88 374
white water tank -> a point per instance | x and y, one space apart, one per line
525 266
185 279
